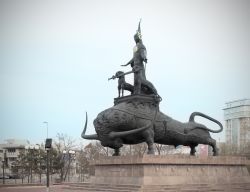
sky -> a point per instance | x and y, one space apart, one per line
56 57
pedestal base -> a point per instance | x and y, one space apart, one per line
173 170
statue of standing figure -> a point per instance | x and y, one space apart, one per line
137 118
141 84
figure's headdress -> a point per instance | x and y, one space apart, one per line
138 32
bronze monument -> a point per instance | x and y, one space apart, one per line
136 118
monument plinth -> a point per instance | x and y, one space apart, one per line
174 170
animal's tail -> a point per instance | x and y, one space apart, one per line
191 119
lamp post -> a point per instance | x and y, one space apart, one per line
47 125
48 146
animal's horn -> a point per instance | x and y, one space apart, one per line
94 136
114 134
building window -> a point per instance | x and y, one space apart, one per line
248 136
11 150
235 131
12 158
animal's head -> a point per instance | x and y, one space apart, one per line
113 137
119 74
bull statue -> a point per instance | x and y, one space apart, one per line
137 119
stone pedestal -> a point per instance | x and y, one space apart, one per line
153 99
152 170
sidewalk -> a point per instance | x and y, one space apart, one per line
54 188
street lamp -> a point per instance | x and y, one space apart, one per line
47 125
48 146
70 153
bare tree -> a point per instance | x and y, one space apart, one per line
61 163
138 149
95 150
83 165
233 149
64 142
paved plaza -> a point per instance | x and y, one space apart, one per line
82 188
55 188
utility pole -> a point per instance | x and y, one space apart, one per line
47 170
48 145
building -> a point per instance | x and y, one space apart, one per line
11 150
237 122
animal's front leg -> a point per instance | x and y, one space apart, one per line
117 152
151 150
149 138
116 146
122 88
150 143
119 92
212 143
192 151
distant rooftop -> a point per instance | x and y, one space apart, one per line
237 103
237 109
14 143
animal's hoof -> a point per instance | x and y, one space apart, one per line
150 152
216 153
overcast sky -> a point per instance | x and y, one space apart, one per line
56 57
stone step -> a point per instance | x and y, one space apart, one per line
84 187
103 187
100 190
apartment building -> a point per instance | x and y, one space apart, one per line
237 122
